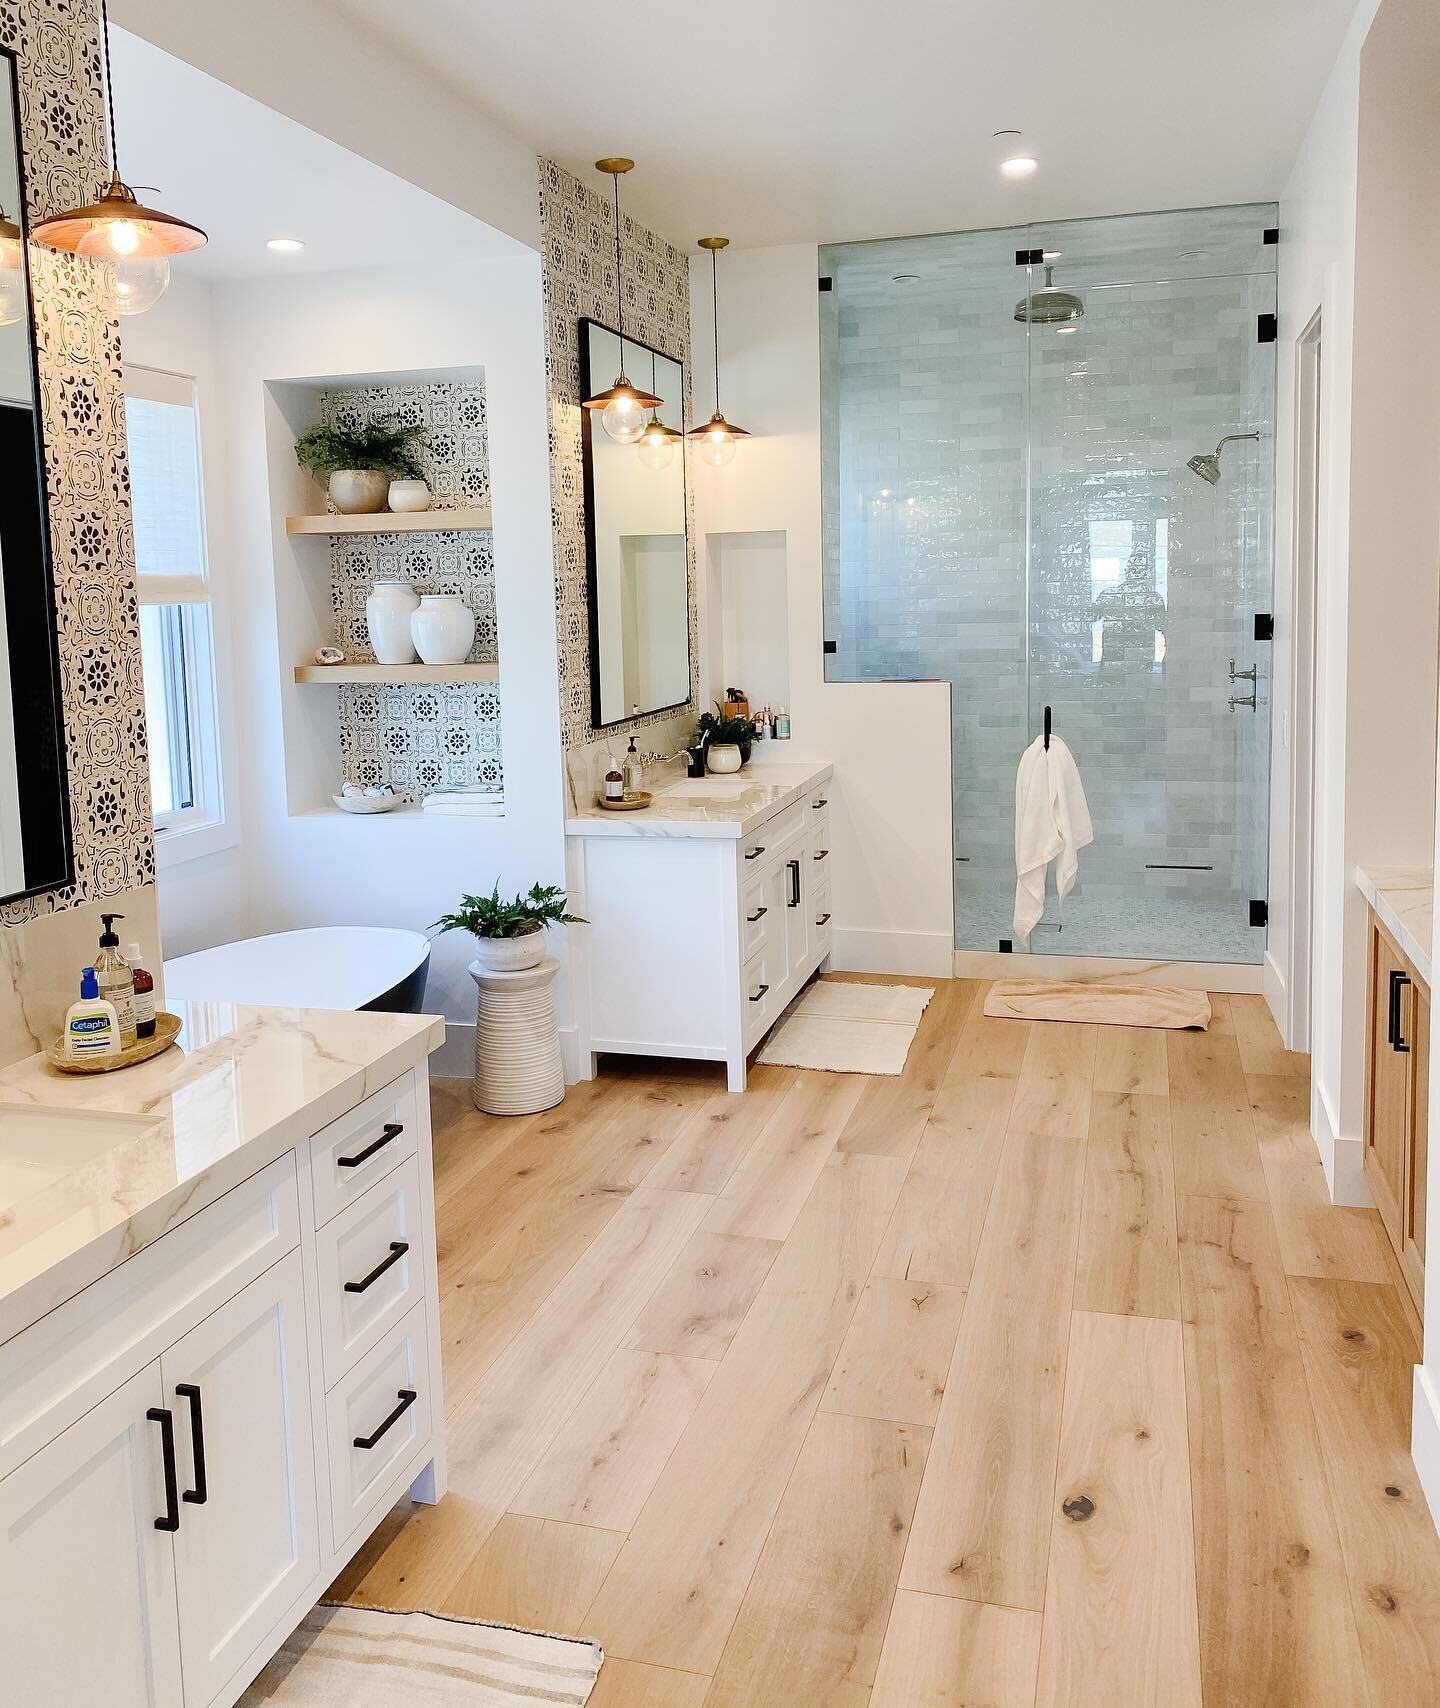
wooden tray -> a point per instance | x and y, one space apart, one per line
167 1029
632 803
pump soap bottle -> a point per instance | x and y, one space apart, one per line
117 982
91 1028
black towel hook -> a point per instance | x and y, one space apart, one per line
1047 729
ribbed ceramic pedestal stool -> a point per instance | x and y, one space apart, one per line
517 1041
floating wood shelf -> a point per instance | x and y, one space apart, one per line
389 522
397 673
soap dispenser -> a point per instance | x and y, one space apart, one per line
116 981
634 769
614 782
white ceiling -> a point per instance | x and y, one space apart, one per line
246 174
780 121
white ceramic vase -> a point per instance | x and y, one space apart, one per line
387 616
408 496
724 758
510 954
358 492
443 629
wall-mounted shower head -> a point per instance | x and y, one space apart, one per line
1207 465
1050 306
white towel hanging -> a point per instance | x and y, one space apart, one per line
1052 822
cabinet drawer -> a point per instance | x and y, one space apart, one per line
372 1267
754 913
820 917
819 841
820 798
759 990
349 1155
68 1361
375 1426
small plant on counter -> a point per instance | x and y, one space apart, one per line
722 730
497 924
386 445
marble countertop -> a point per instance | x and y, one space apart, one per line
1403 898
722 807
243 1086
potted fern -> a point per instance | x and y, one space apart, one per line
510 935
360 462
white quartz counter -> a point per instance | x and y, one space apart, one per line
720 807
1403 898
243 1086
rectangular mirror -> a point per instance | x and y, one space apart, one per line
636 559
34 798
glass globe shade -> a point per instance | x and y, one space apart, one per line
716 449
12 284
140 282
656 450
623 418
137 258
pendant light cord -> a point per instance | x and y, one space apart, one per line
715 323
109 86
619 274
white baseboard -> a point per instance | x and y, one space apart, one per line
1342 1158
1105 969
1425 1439
570 1060
455 1059
922 954
1276 993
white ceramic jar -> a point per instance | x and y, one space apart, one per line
408 496
358 492
387 616
724 757
443 629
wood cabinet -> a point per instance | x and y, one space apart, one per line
1398 1102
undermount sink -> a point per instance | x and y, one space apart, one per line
40 1146
703 790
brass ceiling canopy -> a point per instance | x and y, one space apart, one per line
614 164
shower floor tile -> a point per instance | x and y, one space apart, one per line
1147 928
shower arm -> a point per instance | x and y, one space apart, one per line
1230 437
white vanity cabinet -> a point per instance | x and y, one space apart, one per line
167 1449
701 928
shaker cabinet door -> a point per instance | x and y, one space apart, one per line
1387 1138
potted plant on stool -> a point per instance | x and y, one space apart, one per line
517 1038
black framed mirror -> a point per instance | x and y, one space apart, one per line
636 556
35 842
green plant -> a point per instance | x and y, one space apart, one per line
724 730
385 445
488 916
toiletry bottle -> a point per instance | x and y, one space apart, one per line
117 984
144 992
782 725
92 1027
634 769
614 782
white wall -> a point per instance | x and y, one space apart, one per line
889 742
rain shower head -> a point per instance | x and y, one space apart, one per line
1050 306
1207 465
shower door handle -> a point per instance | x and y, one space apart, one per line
1398 981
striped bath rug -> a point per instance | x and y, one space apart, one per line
355 1657
842 1026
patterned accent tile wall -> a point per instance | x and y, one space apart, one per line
82 408
577 236
420 737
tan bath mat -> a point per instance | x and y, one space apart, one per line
1099 1004
841 1027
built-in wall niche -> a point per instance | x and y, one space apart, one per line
748 635
417 727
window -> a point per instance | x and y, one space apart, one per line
176 630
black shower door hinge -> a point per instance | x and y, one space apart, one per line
1264 626
1259 913
831 646
1029 257
1267 329
827 284
1272 234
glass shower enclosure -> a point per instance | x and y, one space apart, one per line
1025 494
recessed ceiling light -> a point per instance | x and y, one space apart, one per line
285 245
1019 165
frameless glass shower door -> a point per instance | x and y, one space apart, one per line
1023 496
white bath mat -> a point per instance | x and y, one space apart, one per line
839 1027
1099 1004
353 1657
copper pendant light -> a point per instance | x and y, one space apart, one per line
715 440
118 228
656 445
622 406
14 299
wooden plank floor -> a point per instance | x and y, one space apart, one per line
1044 1374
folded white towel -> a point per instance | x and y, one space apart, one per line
1052 822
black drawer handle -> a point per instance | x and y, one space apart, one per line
166 1420
391 1130
794 866
759 993
1398 981
398 1248
754 853
824 919
407 1398
816 805
822 854
759 913
201 1492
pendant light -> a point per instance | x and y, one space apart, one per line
715 440
657 443
136 241
622 407
13 300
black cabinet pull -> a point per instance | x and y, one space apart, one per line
759 993
759 913
166 1420
1398 981
823 919
816 805
407 1398
794 866
398 1248
754 853
822 854
201 1492
391 1130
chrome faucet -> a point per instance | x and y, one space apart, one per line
1249 699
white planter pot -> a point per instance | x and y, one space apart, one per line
510 954
358 492
724 759
408 496
387 616
443 629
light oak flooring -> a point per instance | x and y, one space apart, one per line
1042 1374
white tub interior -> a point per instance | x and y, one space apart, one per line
336 966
